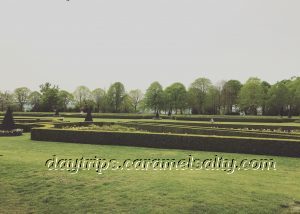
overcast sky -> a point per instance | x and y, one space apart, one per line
95 43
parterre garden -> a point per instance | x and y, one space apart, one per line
120 135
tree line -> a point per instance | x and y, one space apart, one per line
201 97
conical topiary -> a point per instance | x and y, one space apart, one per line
88 117
8 121
56 113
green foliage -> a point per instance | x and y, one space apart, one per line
83 97
176 97
251 96
99 99
136 97
197 94
116 95
154 98
65 98
278 98
230 92
49 97
35 99
22 96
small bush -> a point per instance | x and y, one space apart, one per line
8 121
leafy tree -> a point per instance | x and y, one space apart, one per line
35 99
116 95
49 98
65 98
22 96
99 99
251 96
278 97
82 96
176 97
154 97
127 104
294 96
230 93
8 121
266 87
6 100
136 97
212 100
197 94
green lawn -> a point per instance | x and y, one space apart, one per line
27 186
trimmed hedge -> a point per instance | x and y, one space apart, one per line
178 129
208 131
234 126
260 146
217 118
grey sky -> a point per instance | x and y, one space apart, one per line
94 42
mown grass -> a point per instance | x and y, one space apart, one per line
26 186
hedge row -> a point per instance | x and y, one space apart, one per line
230 125
219 118
209 131
179 129
260 146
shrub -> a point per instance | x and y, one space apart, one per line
8 121
89 117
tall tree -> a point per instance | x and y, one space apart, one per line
294 96
6 100
266 87
197 94
35 99
136 97
22 96
65 98
176 96
99 99
251 96
82 96
49 98
230 93
212 101
154 97
116 95
278 97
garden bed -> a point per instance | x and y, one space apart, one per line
14 132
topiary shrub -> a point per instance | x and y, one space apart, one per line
8 121
56 114
88 117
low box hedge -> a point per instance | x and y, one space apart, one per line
260 146
231 125
217 118
209 131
